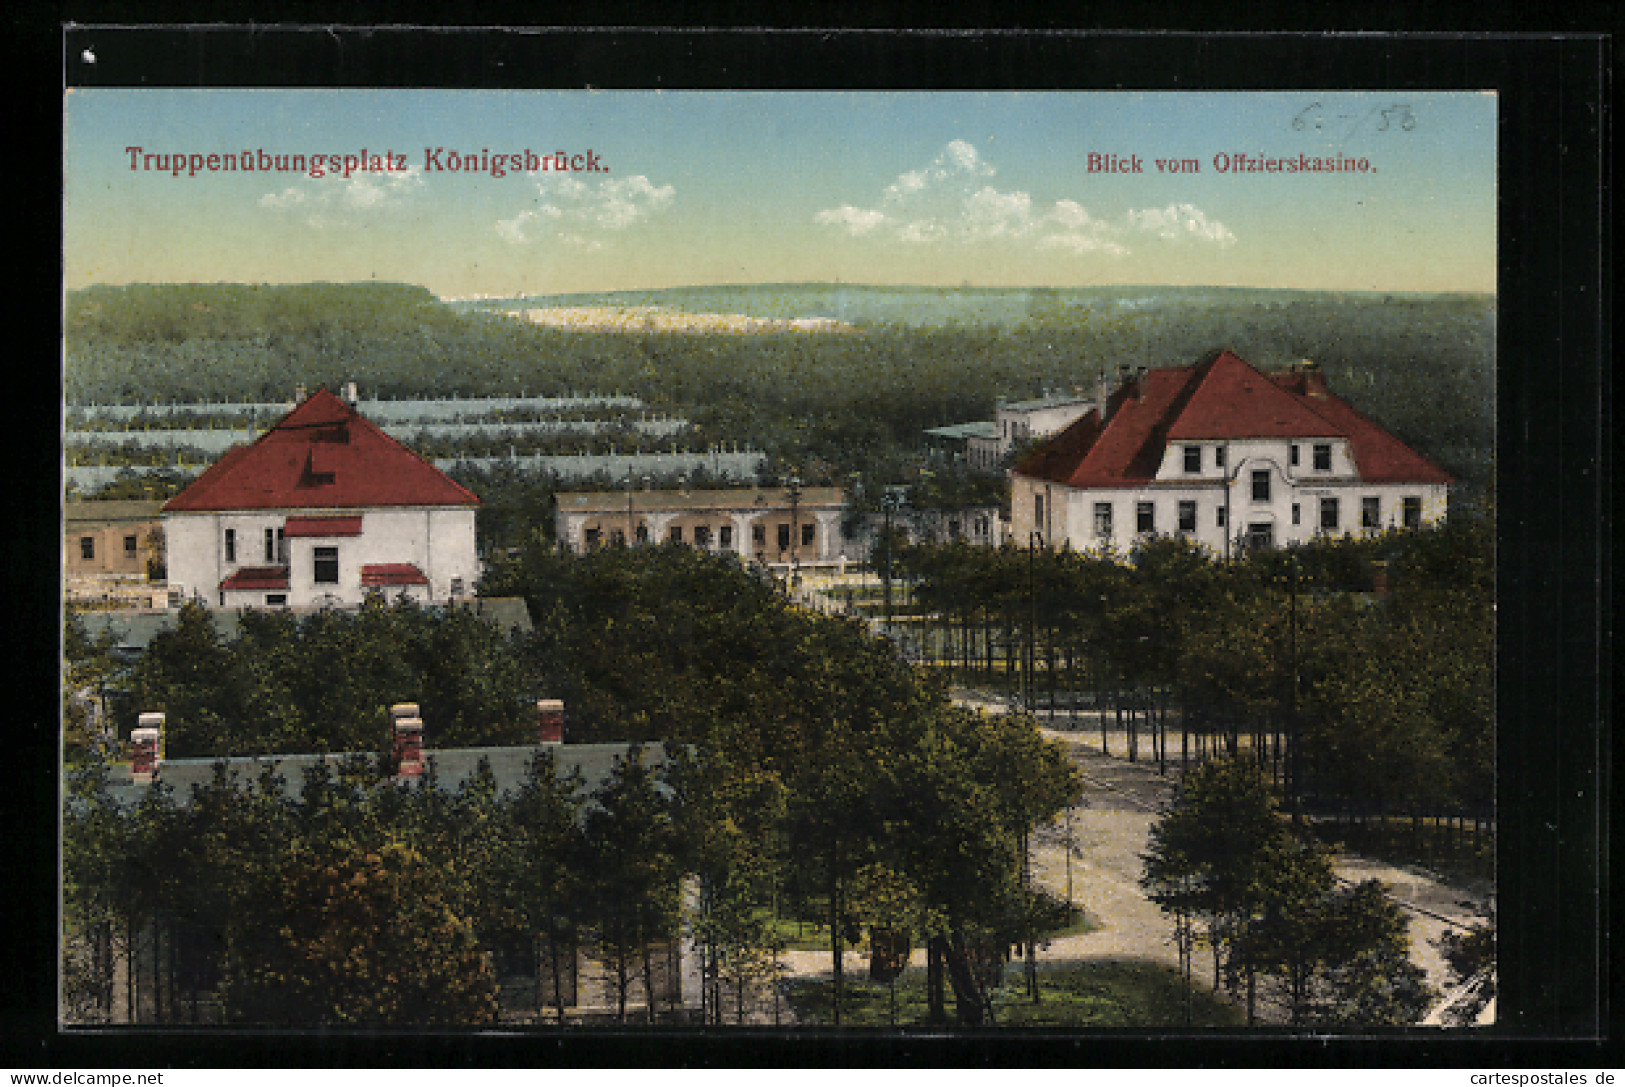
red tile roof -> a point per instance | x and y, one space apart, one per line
391 573
322 526
1221 398
322 455
255 578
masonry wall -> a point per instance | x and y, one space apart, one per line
439 541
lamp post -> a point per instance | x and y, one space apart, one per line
793 484
629 507
889 502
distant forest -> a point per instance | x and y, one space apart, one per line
825 406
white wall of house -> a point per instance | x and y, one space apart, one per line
439 541
1224 508
1036 419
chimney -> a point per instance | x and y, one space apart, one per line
408 732
550 721
1102 395
350 395
298 394
1314 381
147 748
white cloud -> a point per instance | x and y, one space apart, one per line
576 212
1179 221
950 200
337 201
856 220
993 214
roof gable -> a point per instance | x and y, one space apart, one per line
1219 399
1232 401
321 455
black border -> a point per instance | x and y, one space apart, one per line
1555 490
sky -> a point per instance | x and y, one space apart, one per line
666 189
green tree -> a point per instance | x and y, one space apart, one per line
348 933
631 875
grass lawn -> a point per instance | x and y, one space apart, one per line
1104 995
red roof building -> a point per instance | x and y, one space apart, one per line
1226 455
322 508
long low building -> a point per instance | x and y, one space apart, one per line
772 525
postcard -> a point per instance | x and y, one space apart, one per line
709 561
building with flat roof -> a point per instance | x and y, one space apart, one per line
765 524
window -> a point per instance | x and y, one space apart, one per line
1260 535
276 600
1218 457
270 545
231 545
1038 511
87 547
702 535
1328 514
808 534
456 586
1103 520
1292 455
675 534
1323 457
1370 512
1411 506
129 545
784 537
1145 517
325 568
1297 514
758 535
642 534
1261 485
617 537
1187 516
725 537
593 536
1218 516
1193 459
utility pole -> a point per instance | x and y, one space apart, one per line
793 484
1293 782
1035 540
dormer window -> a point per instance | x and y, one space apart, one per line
1193 459
1323 457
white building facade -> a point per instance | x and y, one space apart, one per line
1227 457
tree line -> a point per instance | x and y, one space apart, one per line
355 902
1359 671
815 774
1272 911
822 406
